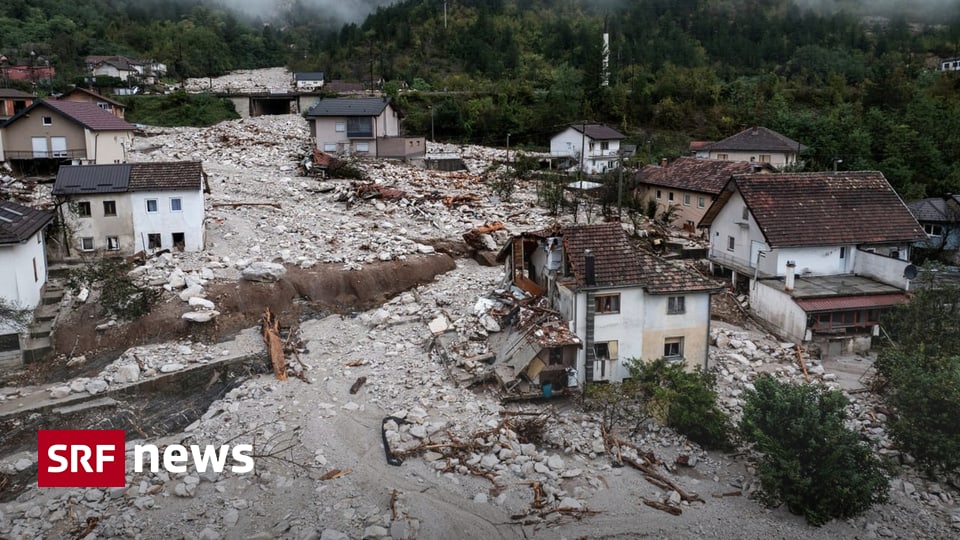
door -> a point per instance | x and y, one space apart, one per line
39 147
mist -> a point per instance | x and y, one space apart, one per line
928 10
340 10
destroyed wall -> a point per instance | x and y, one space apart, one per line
98 226
779 310
691 326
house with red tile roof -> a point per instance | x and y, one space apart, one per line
620 301
756 144
51 132
124 208
689 185
824 253
82 95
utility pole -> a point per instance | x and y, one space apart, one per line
508 150
444 14
432 137
620 186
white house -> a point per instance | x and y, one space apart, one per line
308 81
130 207
362 127
950 64
620 302
823 252
602 145
755 145
22 257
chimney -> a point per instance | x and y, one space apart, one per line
663 162
589 268
791 276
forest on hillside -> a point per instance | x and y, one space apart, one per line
862 91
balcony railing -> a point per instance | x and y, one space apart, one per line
44 154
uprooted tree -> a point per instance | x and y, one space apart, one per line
120 297
811 462
11 314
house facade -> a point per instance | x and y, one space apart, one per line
595 146
308 81
940 219
823 253
620 302
13 101
24 263
82 95
126 208
755 145
55 132
125 68
688 185
362 127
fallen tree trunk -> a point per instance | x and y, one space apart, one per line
271 336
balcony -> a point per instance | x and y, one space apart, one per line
45 154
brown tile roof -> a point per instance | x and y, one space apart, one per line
758 139
87 114
94 95
822 208
617 263
598 131
165 176
692 174
13 93
18 223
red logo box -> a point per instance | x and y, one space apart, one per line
81 458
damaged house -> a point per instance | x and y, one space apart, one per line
823 253
611 302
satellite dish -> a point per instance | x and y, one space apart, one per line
910 271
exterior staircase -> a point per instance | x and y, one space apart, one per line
37 344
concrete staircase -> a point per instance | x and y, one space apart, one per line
38 343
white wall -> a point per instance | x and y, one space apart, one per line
569 142
621 327
822 261
725 225
777 159
779 309
882 268
692 326
107 147
188 221
20 285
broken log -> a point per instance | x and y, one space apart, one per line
270 330
663 506
237 204
803 364
657 479
357 384
335 473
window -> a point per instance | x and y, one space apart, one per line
113 243
604 145
153 241
341 126
731 243
179 240
83 209
176 204
843 252
745 214
359 126
764 158
722 156
86 244
556 356
109 208
932 229
606 350
151 206
103 105
363 147
330 147
686 199
607 303
676 305
659 195
46 120
673 348
701 202
670 196
591 146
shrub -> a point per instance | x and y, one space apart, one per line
119 296
619 405
686 401
811 462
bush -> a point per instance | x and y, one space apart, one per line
179 109
119 296
811 462
685 401
619 405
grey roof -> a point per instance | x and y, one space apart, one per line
349 107
758 139
18 223
308 76
77 179
124 177
936 209
598 131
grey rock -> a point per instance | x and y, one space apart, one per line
480 498
22 464
375 531
555 462
200 316
570 502
333 534
208 534
264 271
489 461
96 386
127 373
59 392
196 301
171 367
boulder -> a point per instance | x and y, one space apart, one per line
127 373
263 271
200 316
196 301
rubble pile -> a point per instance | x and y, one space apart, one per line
243 81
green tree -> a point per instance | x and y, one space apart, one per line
811 462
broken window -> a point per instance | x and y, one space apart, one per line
83 208
113 243
673 348
109 208
179 240
556 356
153 241
606 350
607 303
676 305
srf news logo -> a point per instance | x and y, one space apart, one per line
97 458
